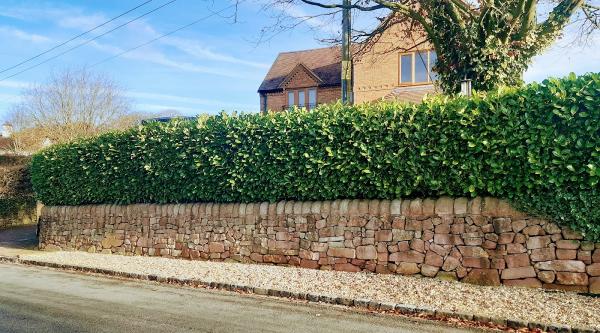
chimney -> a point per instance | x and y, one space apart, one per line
7 130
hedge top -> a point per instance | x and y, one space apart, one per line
538 146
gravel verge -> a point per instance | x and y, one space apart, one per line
514 307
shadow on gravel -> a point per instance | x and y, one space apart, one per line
19 237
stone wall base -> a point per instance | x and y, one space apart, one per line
481 240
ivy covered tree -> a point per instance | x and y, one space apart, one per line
491 42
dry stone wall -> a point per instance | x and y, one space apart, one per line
480 240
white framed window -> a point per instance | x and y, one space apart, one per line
417 67
312 98
291 100
301 98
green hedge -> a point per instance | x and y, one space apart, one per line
538 146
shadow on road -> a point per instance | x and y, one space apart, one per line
23 237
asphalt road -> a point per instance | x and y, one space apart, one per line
22 237
44 300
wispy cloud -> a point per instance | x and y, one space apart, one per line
189 100
157 57
20 34
14 84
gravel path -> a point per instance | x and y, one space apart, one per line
501 302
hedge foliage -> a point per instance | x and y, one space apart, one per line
538 146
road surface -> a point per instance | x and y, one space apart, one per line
40 300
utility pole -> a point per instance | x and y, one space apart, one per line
347 97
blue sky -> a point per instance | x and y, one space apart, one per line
210 66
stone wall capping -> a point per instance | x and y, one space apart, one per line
281 207
353 208
315 208
444 206
490 206
476 240
396 207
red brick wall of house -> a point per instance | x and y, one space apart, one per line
278 101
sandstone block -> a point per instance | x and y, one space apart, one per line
473 251
428 207
527 283
383 236
518 225
572 279
416 207
474 206
517 260
561 266
434 259
490 206
444 206
407 268
366 252
417 245
551 228
460 206
518 273
533 230
568 244
502 225
402 235
438 249
476 262
570 234
596 255
594 269
407 256
538 242
564 254
595 285
450 264
446 276
544 254
563 287
342 252
395 207
546 276
484 277
506 238
516 248
429 271
346 267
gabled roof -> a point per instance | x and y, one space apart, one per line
324 63
298 68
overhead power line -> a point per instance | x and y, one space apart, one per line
87 41
166 34
74 38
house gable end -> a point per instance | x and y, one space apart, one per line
300 77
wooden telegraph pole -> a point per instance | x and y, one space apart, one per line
347 97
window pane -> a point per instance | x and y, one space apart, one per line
291 98
432 61
312 98
406 68
421 67
301 98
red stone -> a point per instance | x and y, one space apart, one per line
568 244
595 285
341 252
517 260
561 266
544 254
450 264
506 238
407 256
484 277
434 259
383 236
215 247
518 273
476 262
554 286
564 254
366 252
594 269
538 242
572 279
529 283
596 256
515 248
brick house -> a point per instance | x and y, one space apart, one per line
310 77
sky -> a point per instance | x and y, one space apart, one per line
216 64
